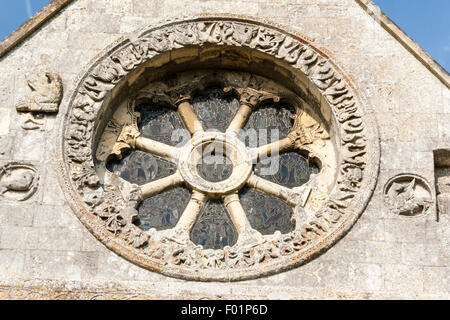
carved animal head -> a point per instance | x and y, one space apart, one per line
17 180
50 85
406 189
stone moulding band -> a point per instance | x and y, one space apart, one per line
109 214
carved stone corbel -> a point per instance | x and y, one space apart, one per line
249 98
45 97
125 141
306 130
252 97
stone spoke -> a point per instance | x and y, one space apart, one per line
294 197
129 138
193 208
180 233
249 98
267 150
160 185
247 235
189 118
240 119
158 149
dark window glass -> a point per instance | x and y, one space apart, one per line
163 210
215 167
266 213
214 109
214 228
294 169
140 168
271 122
159 123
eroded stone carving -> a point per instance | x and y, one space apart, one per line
33 121
18 181
45 97
306 130
408 195
126 140
337 212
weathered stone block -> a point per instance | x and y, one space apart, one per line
17 215
66 265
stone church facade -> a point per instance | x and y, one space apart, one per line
110 109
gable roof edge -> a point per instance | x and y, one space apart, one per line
409 44
31 25
55 6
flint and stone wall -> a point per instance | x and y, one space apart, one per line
45 251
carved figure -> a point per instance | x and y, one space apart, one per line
46 94
408 197
306 130
18 182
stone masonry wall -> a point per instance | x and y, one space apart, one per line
48 253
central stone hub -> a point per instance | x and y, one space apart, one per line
215 166
215 163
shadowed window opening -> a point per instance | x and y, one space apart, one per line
215 109
266 213
140 168
270 122
215 167
159 123
290 169
214 228
162 211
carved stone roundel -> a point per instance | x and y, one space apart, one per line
329 124
18 181
408 195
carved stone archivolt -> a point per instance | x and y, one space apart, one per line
18 181
45 97
408 195
330 124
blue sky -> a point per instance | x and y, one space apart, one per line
426 21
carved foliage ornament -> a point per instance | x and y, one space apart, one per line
109 210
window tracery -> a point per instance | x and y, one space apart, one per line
328 135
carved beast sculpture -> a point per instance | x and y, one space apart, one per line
17 180
45 96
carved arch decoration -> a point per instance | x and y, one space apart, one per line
107 206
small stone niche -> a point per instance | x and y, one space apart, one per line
442 174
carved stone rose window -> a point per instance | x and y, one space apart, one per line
217 149
202 165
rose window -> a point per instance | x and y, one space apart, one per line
217 165
217 149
